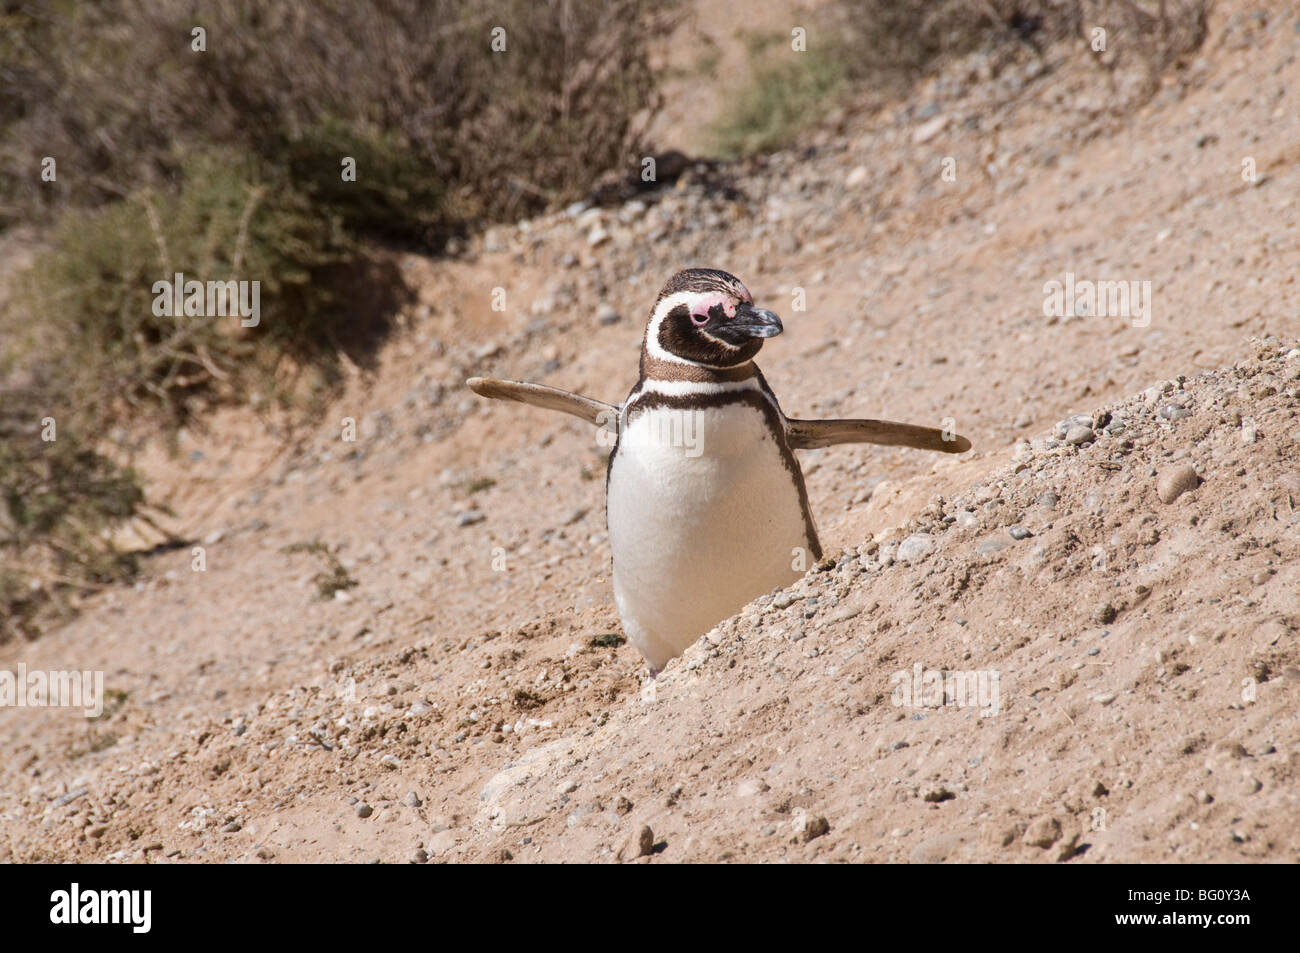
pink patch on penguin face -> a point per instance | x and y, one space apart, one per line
702 304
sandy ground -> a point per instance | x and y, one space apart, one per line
468 698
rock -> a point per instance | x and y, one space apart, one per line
917 546
1175 481
937 795
783 600
936 850
857 177
1063 427
1105 615
816 827
420 856
991 545
1018 532
607 315
928 130
412 799
469 518
1043 832
640 843
1077 435
1172 411
1104 699
364 810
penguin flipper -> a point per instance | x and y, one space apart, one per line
814 434
595 412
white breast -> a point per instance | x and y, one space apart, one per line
703 518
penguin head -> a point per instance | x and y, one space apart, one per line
705 316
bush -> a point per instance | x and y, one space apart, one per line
93 291
446 131
59 501
887 45
225 164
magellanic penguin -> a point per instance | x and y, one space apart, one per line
705 501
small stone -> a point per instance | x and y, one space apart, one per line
1077 435
1105 698
815 828
1174 482
1105 615
364 810
412 799
1018 532
607 315
937 795
469 518
640 843
1043 832
917 546
1172 411
420 856
936 850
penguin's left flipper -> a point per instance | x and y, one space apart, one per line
595 412
813 434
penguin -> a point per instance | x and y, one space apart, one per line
706 505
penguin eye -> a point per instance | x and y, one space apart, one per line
699 320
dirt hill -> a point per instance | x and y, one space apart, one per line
461 693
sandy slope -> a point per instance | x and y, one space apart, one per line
456 692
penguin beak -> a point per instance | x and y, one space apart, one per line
748 324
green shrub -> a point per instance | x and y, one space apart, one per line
93 290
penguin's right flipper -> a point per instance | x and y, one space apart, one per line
814 434
595 412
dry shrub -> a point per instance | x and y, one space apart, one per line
447 130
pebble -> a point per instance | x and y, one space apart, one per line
783 600
1104 699
412 799
935 850
364 810
1172 411
1078 434
1175 481
421 856
640 843
815 828
470 517
1043 832
917 546
1018 532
